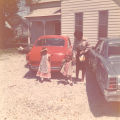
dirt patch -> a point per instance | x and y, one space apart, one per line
24 98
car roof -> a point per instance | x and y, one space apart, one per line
54 36
111 40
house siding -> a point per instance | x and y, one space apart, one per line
90 9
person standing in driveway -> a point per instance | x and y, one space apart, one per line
44 70
66 69
80 50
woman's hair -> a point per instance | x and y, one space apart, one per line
78 34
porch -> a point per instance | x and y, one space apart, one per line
44 22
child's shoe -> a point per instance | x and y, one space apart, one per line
41 80
37 79
70 82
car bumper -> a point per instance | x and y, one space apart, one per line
113 96
35 68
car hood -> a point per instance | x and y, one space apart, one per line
115 65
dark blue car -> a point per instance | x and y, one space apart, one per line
104 60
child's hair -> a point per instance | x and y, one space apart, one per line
43 51
68 58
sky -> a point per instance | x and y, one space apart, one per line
23 10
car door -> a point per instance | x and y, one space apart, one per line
101 71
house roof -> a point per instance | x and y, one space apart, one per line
45 12
44 1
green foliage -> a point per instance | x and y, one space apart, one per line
10 7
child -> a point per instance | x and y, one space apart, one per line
44 70
67 69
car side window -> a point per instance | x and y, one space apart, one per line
103 51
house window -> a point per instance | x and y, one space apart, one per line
103 24
79 21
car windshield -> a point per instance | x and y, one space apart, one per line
50 42
114 50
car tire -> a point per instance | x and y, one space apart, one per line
31 70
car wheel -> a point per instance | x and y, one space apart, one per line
31 70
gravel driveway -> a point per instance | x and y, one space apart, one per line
24 98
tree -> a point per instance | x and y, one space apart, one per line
30 2
8 8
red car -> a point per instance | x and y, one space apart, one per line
58 46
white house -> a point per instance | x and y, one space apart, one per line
95 18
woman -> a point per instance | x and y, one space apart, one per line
81 49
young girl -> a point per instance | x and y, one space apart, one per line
44 70
67 69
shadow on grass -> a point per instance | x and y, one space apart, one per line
98 106
30 75
54 75
62 80
57 76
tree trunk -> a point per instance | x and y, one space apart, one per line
2 25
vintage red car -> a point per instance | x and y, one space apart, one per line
59 47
